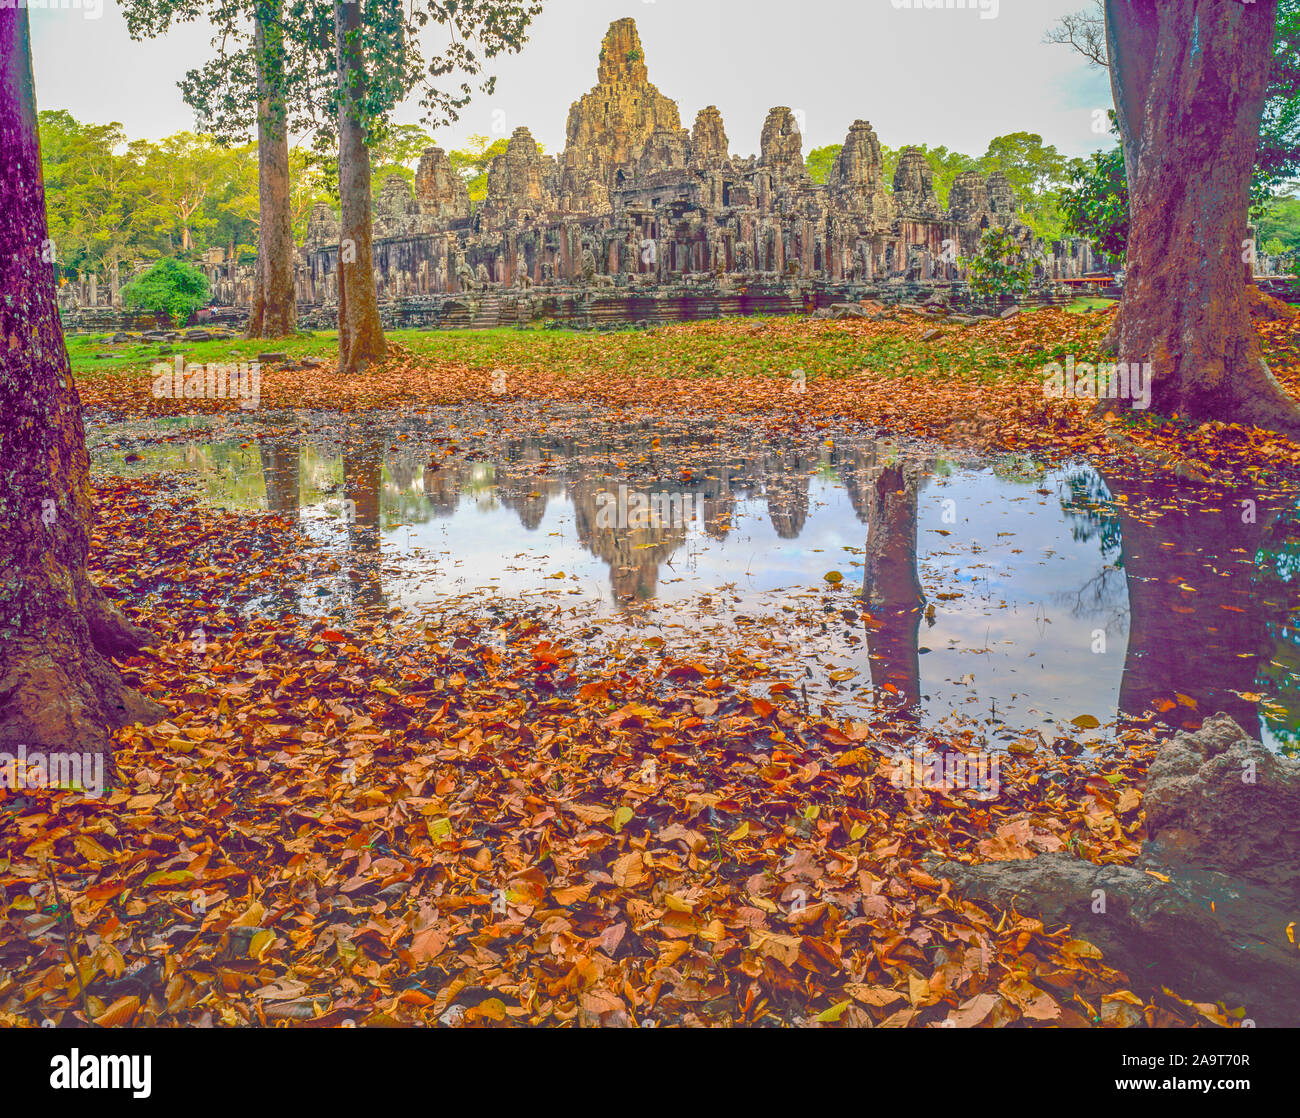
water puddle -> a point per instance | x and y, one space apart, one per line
868 573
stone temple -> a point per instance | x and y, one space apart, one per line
642 219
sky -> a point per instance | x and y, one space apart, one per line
956 77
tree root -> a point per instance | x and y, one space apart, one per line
110 631
57 697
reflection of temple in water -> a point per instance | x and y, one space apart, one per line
857 467
633 551
1206 617
667 468
530 471
785 482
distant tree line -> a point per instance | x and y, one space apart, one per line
112 200
1060 196
1038 172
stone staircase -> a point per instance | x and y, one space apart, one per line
488 313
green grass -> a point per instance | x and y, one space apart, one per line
1086 303
744 351
138 357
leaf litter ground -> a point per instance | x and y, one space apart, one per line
366 819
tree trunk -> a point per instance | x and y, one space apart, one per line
1199 610
891 585
361 337
58 688
1189 79
256 305
363 466
281 472
274 313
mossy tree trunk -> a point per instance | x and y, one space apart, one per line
274 311
59 690
361 336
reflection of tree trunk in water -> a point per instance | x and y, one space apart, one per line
362 472
280 473
891 589
1207 642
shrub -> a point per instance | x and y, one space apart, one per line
171 286
1096 204
1001 268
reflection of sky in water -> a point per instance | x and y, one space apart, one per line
1005 645
1013 629
1021 608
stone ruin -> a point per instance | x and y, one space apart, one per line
638 203
641 219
